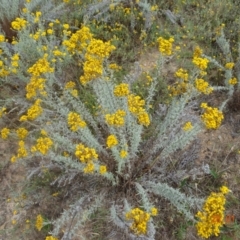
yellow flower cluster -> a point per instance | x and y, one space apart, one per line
78 40
165 46
140 219
97 50
42 66
33 112
86 155
187 126
111 141
43 145
212 117
37 16
203 86
22 152
229 65
75 121
121 90
197 52
2 111
39 222
14 62
18 24
51 238
92 68
116 119
2 38
71 85
212 216
135 106
4 133
123 153
102 169
3 69
232 81
182 73
114 66
178 88
201 63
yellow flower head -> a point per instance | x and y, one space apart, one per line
203 86
89 168
165 46
22 133
232 81
75 121
85 154
111 141
140 220
212 117
123 153
4 133
229 65
211 219
102 169
182 73
187 126
51 238
121 90
116 119
39 222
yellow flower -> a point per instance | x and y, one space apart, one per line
22 133
212 117
66 26
143 118
165 46
102 169
33 112
182 73
135 104
121 90
123 153
154 211
111 141
39 222
201 63
13 159
51 238
43 145
75 121
18 24
229 65
2 38
232 81
22 152
70 85
203 86
2 111
187 126
197 52
116 119
224 190
4 133
114 66
50 31
140 220
89 168
211 219
85 154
